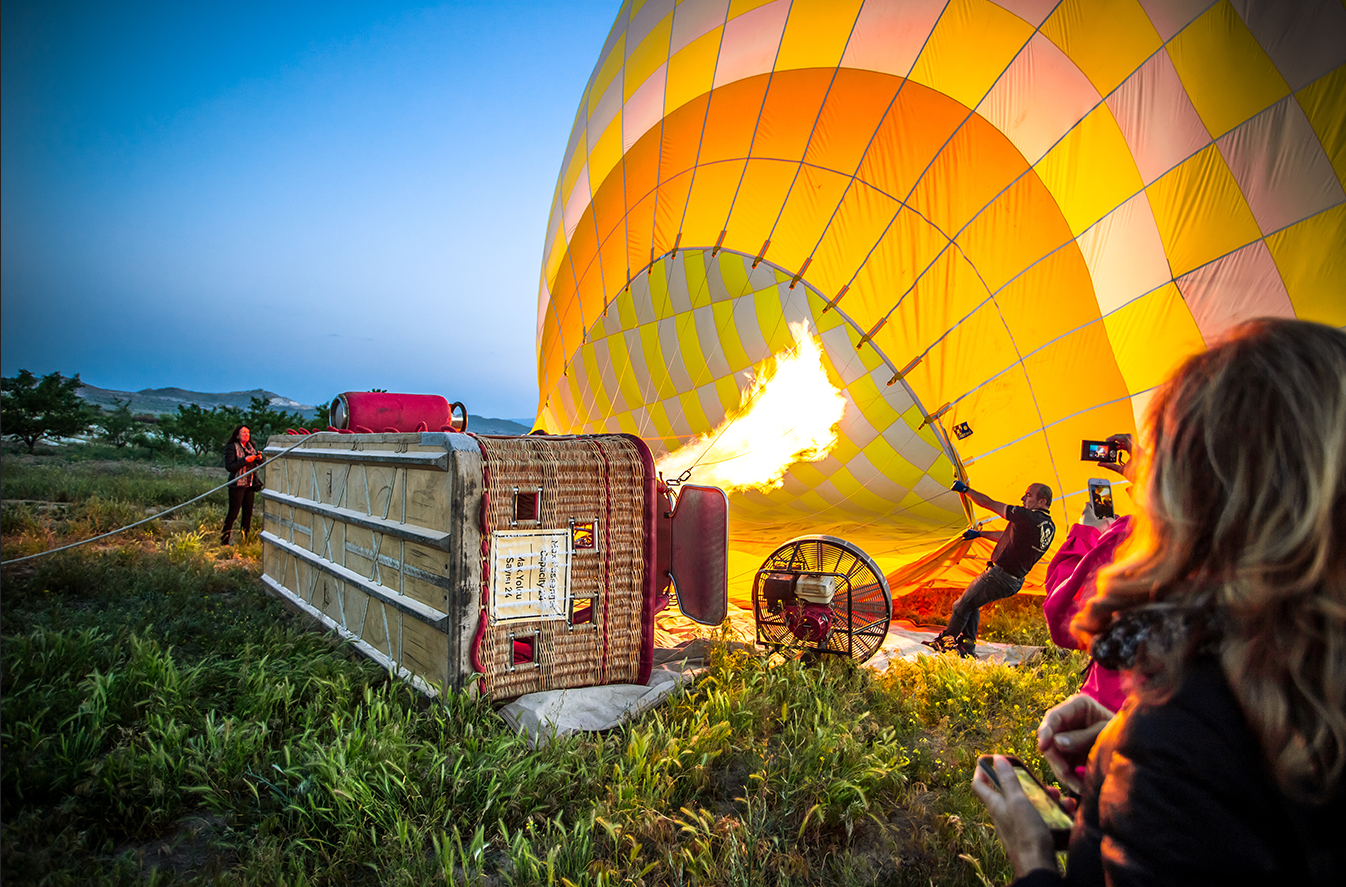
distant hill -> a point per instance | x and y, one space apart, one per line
167 400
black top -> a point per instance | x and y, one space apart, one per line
1030 535
236 461
1178 794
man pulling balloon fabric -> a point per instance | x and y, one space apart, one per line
1017 549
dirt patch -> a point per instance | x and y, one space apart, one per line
196 847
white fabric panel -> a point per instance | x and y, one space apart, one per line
1281 167
578 202
677 419
1038 98
709 337
749 330
696 18
750 42
1240 286
1171 16
897 396
874 480
1304 38
1125 255
609 374
604 111
645 108
889 34
1157 118
668 344
855 426
679 299
643 22
842 354
1034 12
710 403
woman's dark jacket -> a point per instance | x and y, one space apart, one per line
1178 793
235 460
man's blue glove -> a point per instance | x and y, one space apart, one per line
960 487
971 534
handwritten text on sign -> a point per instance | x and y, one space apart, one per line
530 574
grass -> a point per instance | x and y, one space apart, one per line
164 720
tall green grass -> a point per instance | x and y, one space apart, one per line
163 720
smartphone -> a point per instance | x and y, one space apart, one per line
1053 814
1100 493
1098 451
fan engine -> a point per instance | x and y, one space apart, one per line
821 594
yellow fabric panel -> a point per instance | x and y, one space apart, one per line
627 423
622 367
738 7
1325 107
1060 281
771 321
692 349
670 200
1106 39
1060 389
606 71
942 472
852 112
555 255
731 346
648 56
808 474
694 270
915 129
1000 412
1152 336
1311 257
573 170
875 407
626 310
812 200
656 362
971 45
691 70
730 396
708 203
593 388
658 419
890 462
978 163
1090 172
732 118
606 153
691 410
1200 212
1227 75
658 278
792 103
614 270
913 507
816 33
854 229
1006 473
765 184
1021 226
843 451
734 274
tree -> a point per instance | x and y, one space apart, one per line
118 423
32 410
200 429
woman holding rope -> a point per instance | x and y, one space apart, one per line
239 457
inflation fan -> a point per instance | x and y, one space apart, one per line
821 594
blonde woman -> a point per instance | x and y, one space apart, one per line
1225 766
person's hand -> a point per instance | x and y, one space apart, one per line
1090 519
960 487
1024 835
1066 735
1124 444
971 534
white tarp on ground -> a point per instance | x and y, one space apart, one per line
551 713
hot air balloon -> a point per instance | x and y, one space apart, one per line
994 227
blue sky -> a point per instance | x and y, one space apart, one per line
304 197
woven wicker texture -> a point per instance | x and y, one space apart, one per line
598 479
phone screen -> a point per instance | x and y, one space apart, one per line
1048 809
1100 493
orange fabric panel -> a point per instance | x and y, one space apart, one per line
812 200
670 199
732 119
971 352
1061 281
978 163
641 165
1061 386
857 225
682 138
850 115
792 104
708 203
1200 212
765 184
908 248
609 206
1021 226
917 125
639 231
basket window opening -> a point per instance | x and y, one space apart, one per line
526 505
581 611
524 650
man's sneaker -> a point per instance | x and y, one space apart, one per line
966 649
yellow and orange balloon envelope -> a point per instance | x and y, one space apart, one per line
916 219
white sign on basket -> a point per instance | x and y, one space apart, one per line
530 574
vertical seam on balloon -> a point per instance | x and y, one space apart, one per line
753 141
705 117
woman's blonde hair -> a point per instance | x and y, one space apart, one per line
1242 538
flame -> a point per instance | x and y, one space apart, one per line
790 415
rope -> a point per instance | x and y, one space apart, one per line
231 480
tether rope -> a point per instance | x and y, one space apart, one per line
227 483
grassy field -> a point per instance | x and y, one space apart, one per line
166 721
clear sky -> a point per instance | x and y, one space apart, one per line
305 197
